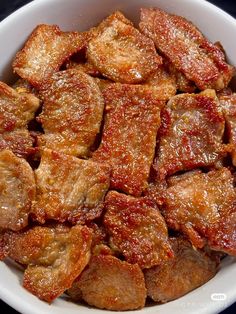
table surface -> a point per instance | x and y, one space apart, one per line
8 6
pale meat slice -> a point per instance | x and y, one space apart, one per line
191 133
184 45
112 284
128 145
162 84
45 51
203 206
228 104
17 191
136 229
121 53
72 112
188 270
69 189
54 256
16 109
19 141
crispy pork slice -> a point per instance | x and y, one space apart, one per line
17 191
19 141
45 51
191 133
16 109
182 83
85 67
112 284
69 189
189 269
184 45
137 229
162 84
129 135
121 53
228 104
72 112
55 256
203 207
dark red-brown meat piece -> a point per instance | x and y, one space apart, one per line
189 269
55 256
184 45
112 284
203 206
191 133
69 188
136 229
129 135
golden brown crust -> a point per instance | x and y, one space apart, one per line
121 53
72 112
16 109
136 229
69 189
162 84
189 269
199 60
202 205
17 191
127 144
228 104
55 257
20 142
109 283
85 67
45 51
191 133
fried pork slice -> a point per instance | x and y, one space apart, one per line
162 84
184 45
69 188
54 256
182 83
19 142
45 51
191 133
228 104
189 269
128 145
203 207
16 109
17 191
85 67
121 53
136 229
72 112
112 284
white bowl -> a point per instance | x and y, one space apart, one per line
218 293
